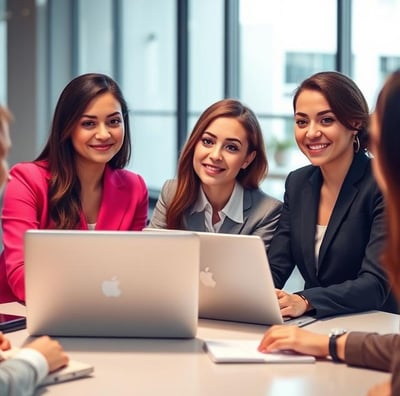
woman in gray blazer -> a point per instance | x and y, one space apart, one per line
332 223
219 172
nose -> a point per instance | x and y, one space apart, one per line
313 131
102 132
216 153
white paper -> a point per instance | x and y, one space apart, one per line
245 351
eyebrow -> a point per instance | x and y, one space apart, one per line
94 117
318 114
227 139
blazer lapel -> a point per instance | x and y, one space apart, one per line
114 203
231 227
196 222
310 200
344 201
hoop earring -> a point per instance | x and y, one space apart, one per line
357 144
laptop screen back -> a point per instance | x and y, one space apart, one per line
111 283
235 280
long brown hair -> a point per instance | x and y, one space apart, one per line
388 116
64 188
188 183
346 100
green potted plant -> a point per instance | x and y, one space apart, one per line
282 149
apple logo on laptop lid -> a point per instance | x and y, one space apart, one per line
111 287
206 278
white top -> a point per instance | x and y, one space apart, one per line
319 236
233 208
91 226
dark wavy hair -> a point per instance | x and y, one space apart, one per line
64 188
387 113
345 99
188 185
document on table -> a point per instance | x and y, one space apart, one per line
245 351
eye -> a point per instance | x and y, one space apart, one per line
232 148
88 124
301 123
206 141
327 121
115 122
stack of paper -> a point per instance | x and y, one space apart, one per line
245 351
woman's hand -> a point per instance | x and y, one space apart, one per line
51 350
382 389
4 342
291 304
286 337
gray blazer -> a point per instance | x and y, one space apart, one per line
261 213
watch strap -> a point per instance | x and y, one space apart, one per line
333 346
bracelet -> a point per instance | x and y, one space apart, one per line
305 300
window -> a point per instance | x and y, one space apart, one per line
148 66
279 47
206 56
387 65
95 37
375 37
302 65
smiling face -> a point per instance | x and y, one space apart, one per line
99 133
318 132
221 153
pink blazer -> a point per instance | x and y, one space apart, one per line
124 207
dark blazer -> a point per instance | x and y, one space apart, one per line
348 277
260 214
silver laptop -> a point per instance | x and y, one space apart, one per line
111 283
236 282
74 370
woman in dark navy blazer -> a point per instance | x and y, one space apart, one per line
332 222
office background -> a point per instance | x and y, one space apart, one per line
173 58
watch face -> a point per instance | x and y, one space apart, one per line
337 331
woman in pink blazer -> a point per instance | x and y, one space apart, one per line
78 181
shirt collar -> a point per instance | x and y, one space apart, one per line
233 208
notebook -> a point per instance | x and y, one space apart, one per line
111 283
245 351
236 282
74 370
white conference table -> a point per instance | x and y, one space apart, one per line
131 366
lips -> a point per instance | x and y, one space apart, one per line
101 147
213 168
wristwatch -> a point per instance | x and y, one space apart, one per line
333 336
